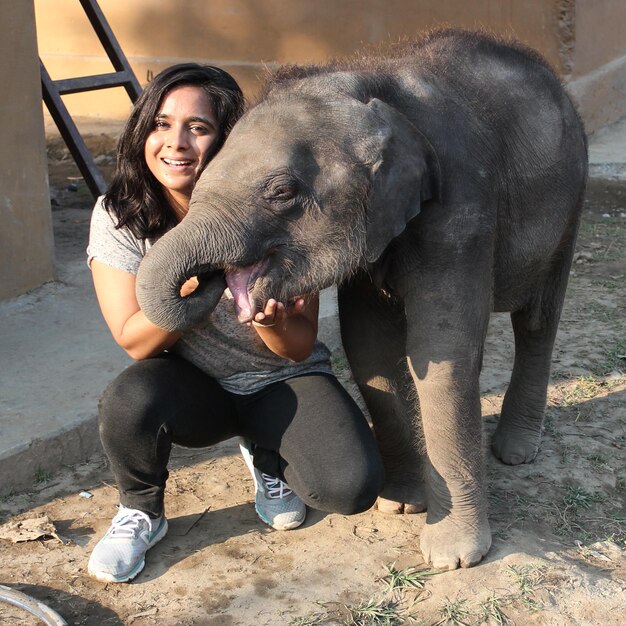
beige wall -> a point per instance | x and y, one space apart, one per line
578 37
26 246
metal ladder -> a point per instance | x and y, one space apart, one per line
52 90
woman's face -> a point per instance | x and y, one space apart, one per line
185 128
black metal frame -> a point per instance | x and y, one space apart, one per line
52 90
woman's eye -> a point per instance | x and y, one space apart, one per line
160 124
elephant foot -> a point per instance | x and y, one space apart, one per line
397 500
450 543
514 446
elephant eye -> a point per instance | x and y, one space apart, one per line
281 188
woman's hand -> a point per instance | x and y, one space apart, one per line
276 313
189 286
289 331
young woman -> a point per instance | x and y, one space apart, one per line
268 382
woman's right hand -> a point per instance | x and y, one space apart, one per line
130 328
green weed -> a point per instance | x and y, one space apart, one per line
42 476
599 463
381 611
407 578
614 359
491 610
527 579
373 613
580 498
609 284
453 613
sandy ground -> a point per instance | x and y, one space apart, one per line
559 524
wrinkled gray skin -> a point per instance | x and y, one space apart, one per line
434 188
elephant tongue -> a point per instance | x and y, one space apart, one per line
238 281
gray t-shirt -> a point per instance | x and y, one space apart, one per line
226 350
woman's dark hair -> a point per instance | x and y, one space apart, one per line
135 196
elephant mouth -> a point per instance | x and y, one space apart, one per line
240 281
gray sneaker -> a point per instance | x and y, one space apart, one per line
275 503
120 555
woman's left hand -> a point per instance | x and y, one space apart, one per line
276 313
290 330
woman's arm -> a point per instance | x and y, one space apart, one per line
130 328
291 331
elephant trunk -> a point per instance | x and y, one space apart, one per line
184 252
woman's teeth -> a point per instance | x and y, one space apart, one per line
176 163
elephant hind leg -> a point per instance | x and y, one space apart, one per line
373 331
518 433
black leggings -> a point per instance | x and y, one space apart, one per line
308 431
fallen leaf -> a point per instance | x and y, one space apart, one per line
30 530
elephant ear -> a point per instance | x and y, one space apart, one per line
405 173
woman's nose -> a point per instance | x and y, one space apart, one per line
176 138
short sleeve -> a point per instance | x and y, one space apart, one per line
116 247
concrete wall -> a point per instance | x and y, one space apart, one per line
597 61
585 40
26 245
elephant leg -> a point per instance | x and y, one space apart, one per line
518 434
373 331
447 323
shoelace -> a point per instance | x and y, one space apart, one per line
276 488
126 524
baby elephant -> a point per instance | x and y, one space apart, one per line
433 185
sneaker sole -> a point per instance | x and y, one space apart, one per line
106 577
289 526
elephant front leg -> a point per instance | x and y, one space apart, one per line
399 441
457 529
373 331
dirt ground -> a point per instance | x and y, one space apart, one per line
559 524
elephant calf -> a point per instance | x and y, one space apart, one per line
434 185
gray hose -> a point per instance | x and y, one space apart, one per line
36 608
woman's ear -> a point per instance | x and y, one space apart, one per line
405 173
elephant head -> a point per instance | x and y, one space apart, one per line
307 188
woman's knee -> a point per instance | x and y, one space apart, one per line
355 501
348 492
